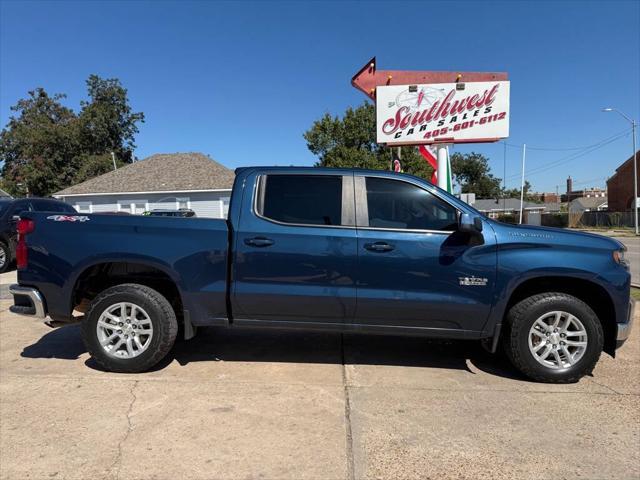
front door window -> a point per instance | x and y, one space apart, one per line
401 205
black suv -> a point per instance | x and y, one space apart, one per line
10 209
183 212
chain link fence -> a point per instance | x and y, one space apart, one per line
574 220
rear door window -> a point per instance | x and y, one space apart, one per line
302 199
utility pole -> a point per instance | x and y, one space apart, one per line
635 176
524 151
635 166
113 157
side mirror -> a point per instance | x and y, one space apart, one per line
469 224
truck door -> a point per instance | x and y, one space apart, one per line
415 269
295 249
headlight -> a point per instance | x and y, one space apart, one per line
618 257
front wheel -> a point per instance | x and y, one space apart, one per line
553 337
129 328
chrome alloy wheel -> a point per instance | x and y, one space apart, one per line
3 256
124 330
557 340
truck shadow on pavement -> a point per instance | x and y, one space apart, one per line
280 346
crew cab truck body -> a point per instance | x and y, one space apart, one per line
329 249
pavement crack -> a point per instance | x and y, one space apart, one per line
347 415
117 463
606 386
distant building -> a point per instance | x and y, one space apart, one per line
620 186
553 207
586 192
546 197
588 204
164 181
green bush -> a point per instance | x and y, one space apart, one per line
507 218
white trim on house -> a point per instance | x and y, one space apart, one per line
132 204
186 200
140 193
224 206
79 205
204 204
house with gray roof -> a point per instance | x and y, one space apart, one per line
510 206
163 181
588 204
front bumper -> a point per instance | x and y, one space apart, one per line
624 329
27 301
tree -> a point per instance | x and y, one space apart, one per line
106 121
38 145
94 165
472 172
350 142
46 146
515 193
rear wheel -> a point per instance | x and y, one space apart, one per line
129 328
553 337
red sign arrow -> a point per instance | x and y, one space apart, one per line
368 78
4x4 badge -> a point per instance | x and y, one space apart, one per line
473 281
68 218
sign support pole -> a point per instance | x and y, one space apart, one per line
443 161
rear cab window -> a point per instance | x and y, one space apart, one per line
304 199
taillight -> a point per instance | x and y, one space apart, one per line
25 226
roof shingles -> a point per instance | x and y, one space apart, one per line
164 172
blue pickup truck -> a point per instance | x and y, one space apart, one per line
328 250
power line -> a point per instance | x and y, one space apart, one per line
589 181
561 149
574 156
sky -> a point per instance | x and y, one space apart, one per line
242 81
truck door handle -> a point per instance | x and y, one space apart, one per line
379 247
258 242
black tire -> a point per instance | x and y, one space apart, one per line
521 318
7 257
161 314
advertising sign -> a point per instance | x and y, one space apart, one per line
442 112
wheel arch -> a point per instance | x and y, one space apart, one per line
591 293
98 276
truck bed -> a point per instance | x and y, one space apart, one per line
193 252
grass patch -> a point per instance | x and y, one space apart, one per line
635 293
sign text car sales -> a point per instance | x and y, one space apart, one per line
443 112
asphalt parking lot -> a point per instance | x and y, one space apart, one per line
633 256
291 405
